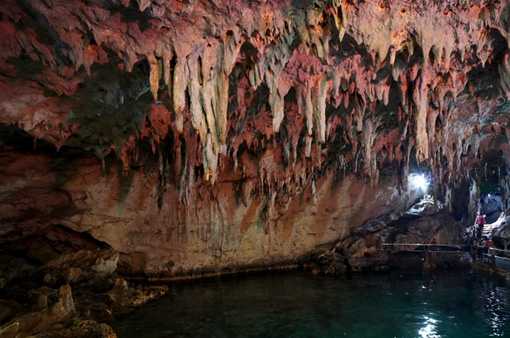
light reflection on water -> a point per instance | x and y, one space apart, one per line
429 329
492 302
438 304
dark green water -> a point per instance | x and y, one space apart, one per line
437 304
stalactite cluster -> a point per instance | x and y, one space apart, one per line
196 137
270 97
357 86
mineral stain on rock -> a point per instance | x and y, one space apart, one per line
195 138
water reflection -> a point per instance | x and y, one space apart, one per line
429 330
446 305
494 304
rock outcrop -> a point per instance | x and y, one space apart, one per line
74 295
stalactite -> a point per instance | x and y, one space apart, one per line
308 107
210 158
371 92
179 90
308 145
319 107
420 98
277 107
398 70
167 58
209 97
154 75
359 114
289 49
227 56
143 4
337 79
197 115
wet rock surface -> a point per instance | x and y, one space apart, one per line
41 306
396 241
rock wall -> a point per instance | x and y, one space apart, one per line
204 135
171 139
229 226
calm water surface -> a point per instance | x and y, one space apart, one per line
411 304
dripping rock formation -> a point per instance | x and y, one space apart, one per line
197 137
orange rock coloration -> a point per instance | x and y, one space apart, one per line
214 135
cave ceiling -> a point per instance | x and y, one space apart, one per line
209 86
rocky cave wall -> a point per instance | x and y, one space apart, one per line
205 135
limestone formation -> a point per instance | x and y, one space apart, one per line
158 140
288 94
193 138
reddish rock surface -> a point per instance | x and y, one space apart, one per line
204 136
172 139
